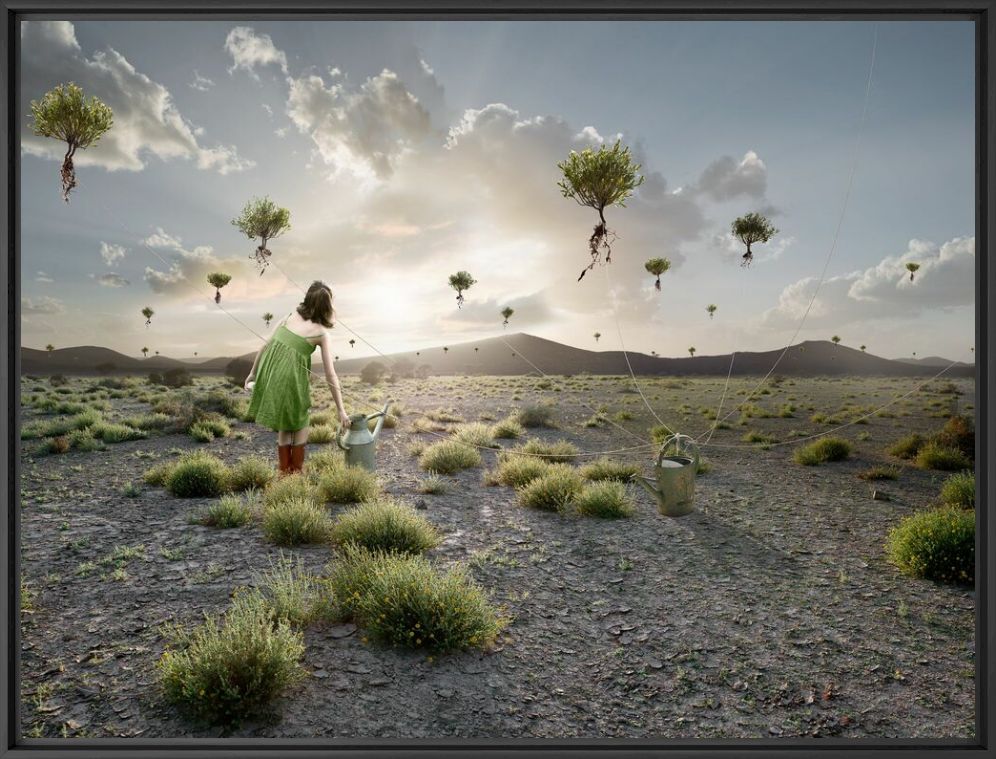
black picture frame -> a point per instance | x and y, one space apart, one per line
982 12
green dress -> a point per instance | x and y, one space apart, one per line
281 396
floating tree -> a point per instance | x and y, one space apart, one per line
461 281
657 266
264 220
835 340
863 348
597 335
476 349
352 343
598 179
218 280
711 309
691 350
912 268
506 315
751 229
145 352
50 348
445 349
65 114
147 313
267 318
653 353
157 353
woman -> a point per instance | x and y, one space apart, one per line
281 394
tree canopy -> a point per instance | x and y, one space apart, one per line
264 220
752 228
657 267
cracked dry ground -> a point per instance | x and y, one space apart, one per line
769 611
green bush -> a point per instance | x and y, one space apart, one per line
432 485
605 499
959 433
561 451
880 473
201 432
347 484
823 450
959 490
54 445
292 592
403 600
608 469
933 455
251 472
224 673
321 434
197 475
385 525
116 433
289 488
296 521
507 429
552 491
83 440
907 447
449 457
516 471
937 544
227 512
157 475
475 434
536 416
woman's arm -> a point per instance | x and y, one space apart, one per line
333 379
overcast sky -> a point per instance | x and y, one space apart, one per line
406 151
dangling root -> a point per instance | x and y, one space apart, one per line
657 284
262 258
597 243
68 174
459 300
748 257
217 296
911 276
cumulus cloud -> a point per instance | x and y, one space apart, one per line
726 178
45 305
363 131
146 120
249 50
945 281
731 248
112 253
110 280
530 310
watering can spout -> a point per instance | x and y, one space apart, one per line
648 484
380 422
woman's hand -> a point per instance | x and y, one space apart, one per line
344 419
249 380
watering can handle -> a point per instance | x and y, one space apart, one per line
338 440
678 440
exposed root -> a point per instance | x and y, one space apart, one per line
748 257
68 175
261 257
600 242
459 299
657 284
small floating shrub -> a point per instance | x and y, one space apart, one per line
197 475
449 457
937 544
823 450
385 525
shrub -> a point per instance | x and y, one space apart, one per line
933 455
516 471
214 425
116 433
433 485
324 460
507 429
157 475
959 490
251 472
224 673
959 433
475 434
55 445
606 499
561 451
937 544
385 525
758 437
229 511
197 475
201 433
449 457
172 378
554 490
536 416
291 592
320 434
83 440
823 450
403 600
296 521
880 473
907 447
608 469
289 488
347 484
149 421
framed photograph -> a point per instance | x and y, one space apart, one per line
556 378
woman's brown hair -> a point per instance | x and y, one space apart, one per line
317 305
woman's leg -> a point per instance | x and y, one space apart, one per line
298 440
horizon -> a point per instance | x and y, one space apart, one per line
401 163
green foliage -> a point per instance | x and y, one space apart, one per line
907 447
605 499
449 457
159 474
262 218
288 488
880 473
385 525
959 490
507 429
554 490
320 434
348 484
937 544
959 432
65 114
291 592
560 451
229 511
516 471
251 472
461 281
600 178
224 673
197 475
752 228
608 469
934 455
218 279
823 450
476 434
536 416
296 521
432 485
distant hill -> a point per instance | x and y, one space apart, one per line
510 355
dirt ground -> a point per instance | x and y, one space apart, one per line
769 611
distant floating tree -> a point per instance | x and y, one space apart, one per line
476 349
50 348
145 352
711 309
195 353
65 114
691 350
148 313
461 281
445 349
751 229
418 353
267 318
157 353
657 266
912 268
653 353
264 220
218 280
599 179
597 335
835 340
506 315
863 348
352 343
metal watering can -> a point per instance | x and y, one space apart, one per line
359 443
673 485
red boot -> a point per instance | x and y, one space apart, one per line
296 458
284 459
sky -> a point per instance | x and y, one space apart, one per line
407 151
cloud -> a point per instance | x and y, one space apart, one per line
43 277
146 120
201 83
726 178
945 281
362 131
732 249
110 279
249 50
112 253
44 305
530 310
